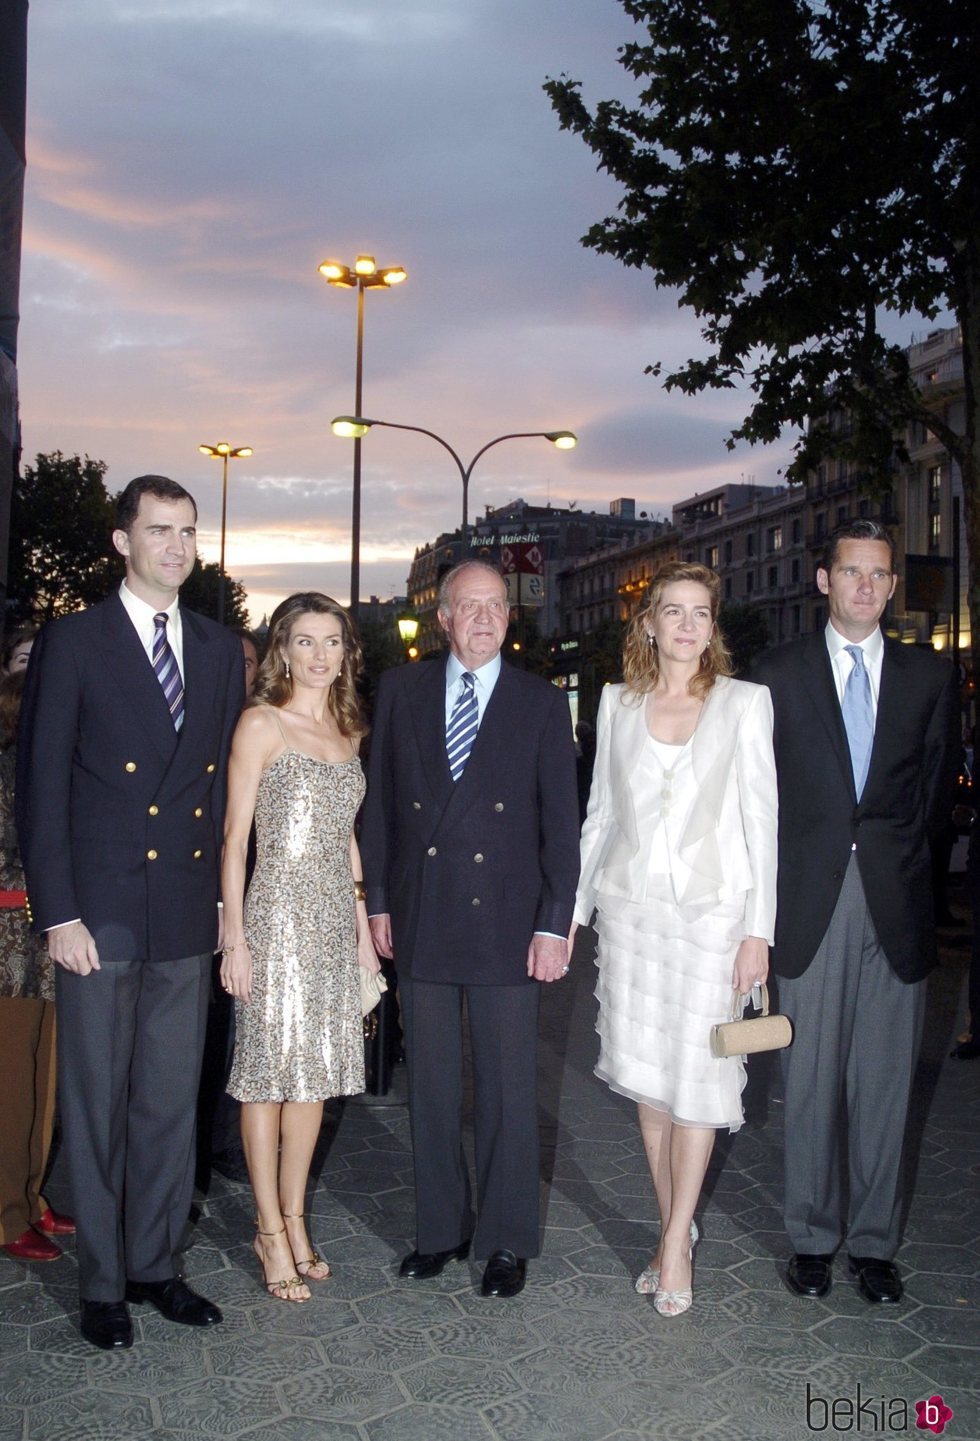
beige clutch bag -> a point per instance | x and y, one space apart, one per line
739 1037
373 985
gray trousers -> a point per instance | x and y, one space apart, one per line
856 1034
503 1026
130 1039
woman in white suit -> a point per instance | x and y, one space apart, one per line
679 861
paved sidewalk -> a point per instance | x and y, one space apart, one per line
578 1356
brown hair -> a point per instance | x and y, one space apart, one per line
274 687
11 695
641 659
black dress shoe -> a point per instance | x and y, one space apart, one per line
421 1265
505 1274
175 1300
106 1324
809 1275
967 1050
878 1280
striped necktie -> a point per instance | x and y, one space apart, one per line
858 716
168 673
462 728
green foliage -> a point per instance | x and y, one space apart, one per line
200 593
61 554
745 631
794 168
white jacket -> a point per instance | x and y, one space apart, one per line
727 846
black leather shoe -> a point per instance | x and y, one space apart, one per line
421 1265
878 1280
809 1275
505 1274
175 1300
107 1325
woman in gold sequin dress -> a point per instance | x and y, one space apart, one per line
292 951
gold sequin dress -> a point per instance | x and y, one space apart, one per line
301 1037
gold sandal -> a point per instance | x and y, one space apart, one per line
313 1261
287 1284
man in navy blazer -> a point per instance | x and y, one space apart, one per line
867 742
126 723
470 887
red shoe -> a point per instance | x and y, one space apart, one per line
55 1223
32 1246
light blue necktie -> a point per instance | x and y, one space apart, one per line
462 727
859 720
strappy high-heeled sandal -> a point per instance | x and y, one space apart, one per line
317 1269
648 1280
288 1283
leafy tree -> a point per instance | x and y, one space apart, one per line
200 592
795 168
745 631
61 555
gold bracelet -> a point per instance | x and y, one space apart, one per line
360 893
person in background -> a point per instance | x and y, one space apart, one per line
679 860
293 949
27 1029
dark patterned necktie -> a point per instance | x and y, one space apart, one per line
462 728
168 672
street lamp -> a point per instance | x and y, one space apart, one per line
224 452
364 275
358 425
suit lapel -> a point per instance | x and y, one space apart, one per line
127 661
821 693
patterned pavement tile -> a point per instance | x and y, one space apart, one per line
219 1406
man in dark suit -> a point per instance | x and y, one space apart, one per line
470 851
125 729
866 739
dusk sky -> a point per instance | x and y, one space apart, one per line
190 162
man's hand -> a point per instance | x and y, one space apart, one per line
547 958
381 935
72 946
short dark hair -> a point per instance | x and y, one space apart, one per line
128 501
855 530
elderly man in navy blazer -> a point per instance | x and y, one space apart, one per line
126 723
470 851
867 742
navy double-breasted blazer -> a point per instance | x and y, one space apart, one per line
469 871
119 816
906 798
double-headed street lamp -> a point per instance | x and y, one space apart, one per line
224 452
358 425
364 275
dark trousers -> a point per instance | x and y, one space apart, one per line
27 1086
503 1028
130 1040
856 1033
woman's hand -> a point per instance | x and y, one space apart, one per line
366 954
751 964
236 972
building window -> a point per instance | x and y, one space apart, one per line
773 580
729 552
774 538
711 557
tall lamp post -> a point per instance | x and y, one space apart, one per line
224 452
358 425
364 275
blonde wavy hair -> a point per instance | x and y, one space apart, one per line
273 686
641 659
